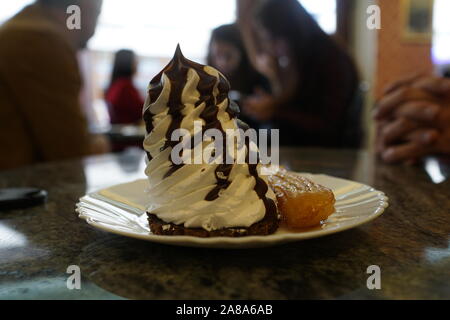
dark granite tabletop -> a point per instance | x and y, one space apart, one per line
410 242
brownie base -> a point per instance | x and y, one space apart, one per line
268 225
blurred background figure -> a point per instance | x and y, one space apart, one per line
124 101
305 84
226 53
40 114
413 119
314 82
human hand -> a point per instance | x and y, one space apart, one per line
267 66
413 119
416 98
260 106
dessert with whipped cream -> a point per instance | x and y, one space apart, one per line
203 199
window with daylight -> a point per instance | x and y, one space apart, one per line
324 12
441 30
154 30
10 8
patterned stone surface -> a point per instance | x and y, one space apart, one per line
410 242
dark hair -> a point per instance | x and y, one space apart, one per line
312 49
327 79
245 78
228 33
123 65
288 19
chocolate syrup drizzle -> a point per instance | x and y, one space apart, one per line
176 71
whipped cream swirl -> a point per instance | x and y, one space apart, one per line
208 196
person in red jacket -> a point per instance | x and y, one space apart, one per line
123 99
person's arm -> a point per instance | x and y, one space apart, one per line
261 61
41 73
245 22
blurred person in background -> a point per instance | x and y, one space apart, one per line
40 114
226 53
413 119
314 82
123 99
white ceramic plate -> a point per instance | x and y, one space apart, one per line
121 209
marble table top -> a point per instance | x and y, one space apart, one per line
410 242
